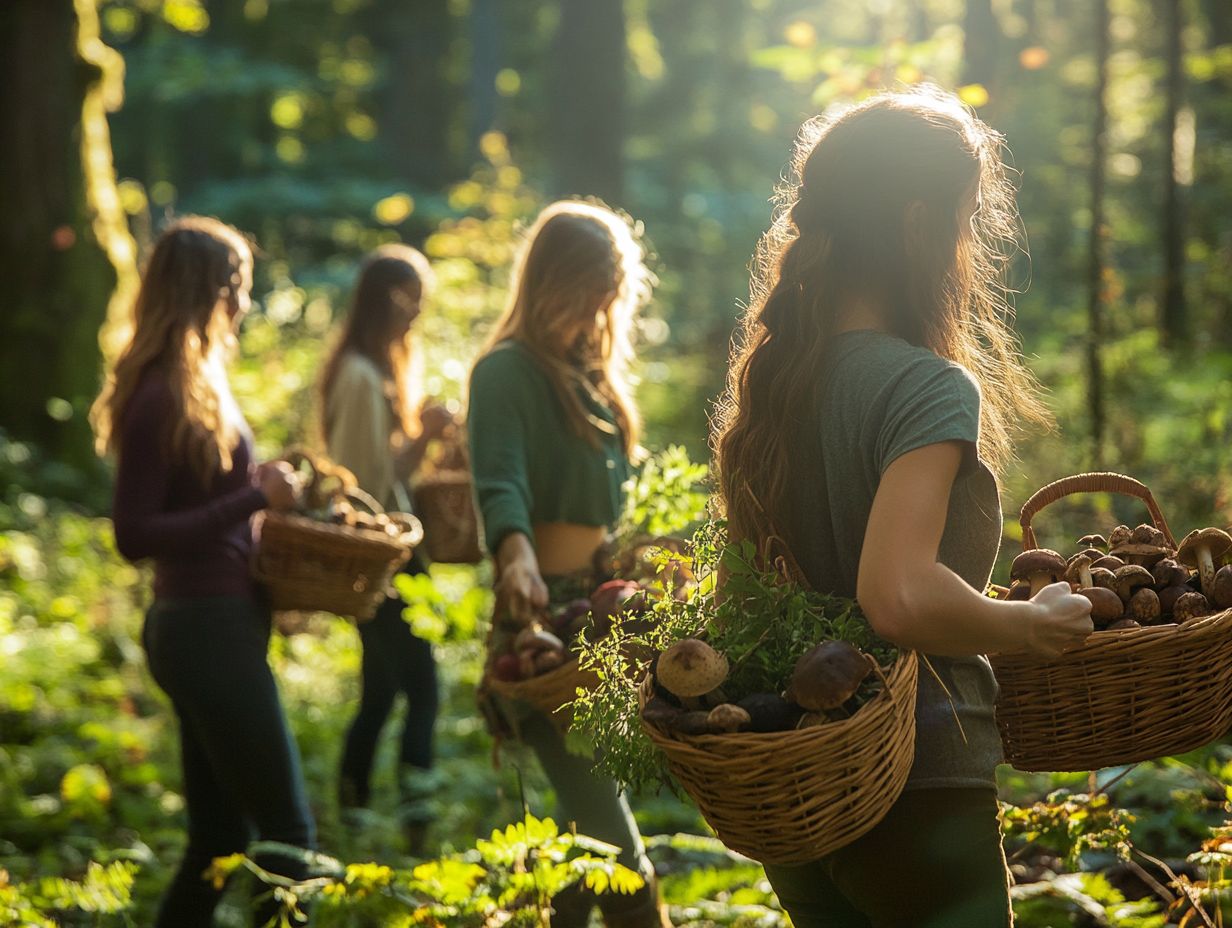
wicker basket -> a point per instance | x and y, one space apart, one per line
445 504
1122 696
795 796
550 693
311 565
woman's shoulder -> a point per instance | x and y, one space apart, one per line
354 367
508 363
877 362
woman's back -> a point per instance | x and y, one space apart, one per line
881 398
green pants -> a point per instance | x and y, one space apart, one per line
935 861
591 801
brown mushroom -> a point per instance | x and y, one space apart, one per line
1169 573
1094 541
660 712
1144 606
1019 591
1039 567
1092 554
1119 536
1190 606
1108 562
1123 624
1129 578
1200 548
1106 606
691 669
1168 597
1102 576
827 676
770 712
1146 534
1078 572
727 718
694 722
1221 589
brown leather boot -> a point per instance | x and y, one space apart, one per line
642 909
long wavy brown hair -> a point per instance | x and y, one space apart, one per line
582 263
371 330
197 272
874 214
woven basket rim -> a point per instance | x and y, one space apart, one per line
812 732
348 533
1163 634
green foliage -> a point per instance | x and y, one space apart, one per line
444 605
510 877
1070 824
762 624
665 497
104 890
1082 899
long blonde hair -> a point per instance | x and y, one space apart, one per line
577 255
182 328
841 233
368 327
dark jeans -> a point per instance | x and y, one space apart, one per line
935 861
394 661
242 777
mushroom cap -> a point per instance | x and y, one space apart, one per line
1038 561
1169 573
1119 535
1221 589
1215 539
1019 591
1123 624
1091 554
1190 606
659 711
1073 573
1108 562
1102 576
691 668
1146 534
1144 606
535 638
727 718
827 676
770 712
1106 606
1093 541
1130 577
1169 595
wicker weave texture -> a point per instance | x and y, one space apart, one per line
792 797
445 504
549 692
1121 697
312 565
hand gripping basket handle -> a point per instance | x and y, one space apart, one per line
1089 483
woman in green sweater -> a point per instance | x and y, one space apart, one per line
870 402
552 426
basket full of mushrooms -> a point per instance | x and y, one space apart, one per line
791 776
1155 678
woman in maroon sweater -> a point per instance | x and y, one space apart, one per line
186 488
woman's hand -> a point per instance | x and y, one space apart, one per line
1061 620
279 483
520 590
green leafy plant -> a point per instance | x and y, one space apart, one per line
762 624
444 605
509 879
103 890
666 496
1069 824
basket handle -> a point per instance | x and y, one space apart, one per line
1089 483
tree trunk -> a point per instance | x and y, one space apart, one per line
1174 318
981 43
485 33
418 104
588 99
65 251
1096 257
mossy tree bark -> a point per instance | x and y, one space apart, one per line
65 252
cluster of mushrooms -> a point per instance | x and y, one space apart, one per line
330 493
829 683
539 647
1133 578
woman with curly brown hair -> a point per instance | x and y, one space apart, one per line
872 397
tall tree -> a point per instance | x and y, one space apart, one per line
484 27
1174 317
65 251
1096 257
588 99
981 43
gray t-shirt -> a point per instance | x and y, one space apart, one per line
881 398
